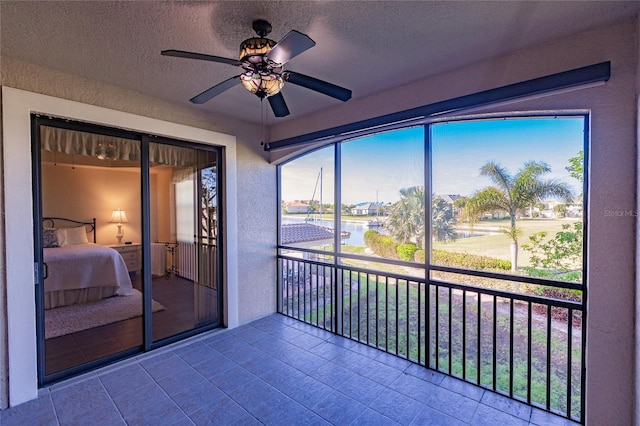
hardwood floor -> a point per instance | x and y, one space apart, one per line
187 306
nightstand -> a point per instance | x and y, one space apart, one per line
132 255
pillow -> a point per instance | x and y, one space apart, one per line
49 238
72 236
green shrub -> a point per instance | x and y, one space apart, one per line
407 251
468 261
382 245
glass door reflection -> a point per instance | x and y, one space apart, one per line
184 233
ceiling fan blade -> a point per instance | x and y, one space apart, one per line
290 46
278 105
215 90
201 56
320 86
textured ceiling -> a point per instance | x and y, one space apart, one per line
367 46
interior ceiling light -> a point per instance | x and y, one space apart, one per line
262 61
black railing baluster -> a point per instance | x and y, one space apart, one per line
367 305
427 324
304 292
450 329
350 304
420 328
386 314
464 334
548 392
529 338
494 342
479 338
437 331
407 320
397 301
511 331
377 312
358 321
569 358
316 287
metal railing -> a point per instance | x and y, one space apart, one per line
197 262
524 346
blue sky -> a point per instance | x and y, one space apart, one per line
379 165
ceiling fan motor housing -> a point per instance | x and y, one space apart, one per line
262 76
252 50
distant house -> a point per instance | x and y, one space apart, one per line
450 198
365 209
296 207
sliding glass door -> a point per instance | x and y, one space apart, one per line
184 233
128 252
90 293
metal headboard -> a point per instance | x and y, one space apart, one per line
49 222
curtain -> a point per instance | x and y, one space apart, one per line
73 142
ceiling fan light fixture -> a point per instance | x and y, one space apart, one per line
262 85
254 49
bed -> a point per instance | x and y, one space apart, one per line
79 271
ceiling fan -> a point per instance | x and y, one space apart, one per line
262 61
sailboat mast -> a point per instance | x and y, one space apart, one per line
320 195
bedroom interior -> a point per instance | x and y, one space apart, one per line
92 214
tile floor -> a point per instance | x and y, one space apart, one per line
272 371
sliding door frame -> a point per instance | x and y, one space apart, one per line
146 343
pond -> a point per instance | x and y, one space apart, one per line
358 228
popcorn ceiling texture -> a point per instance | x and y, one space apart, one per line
367 46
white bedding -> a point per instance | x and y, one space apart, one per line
86 266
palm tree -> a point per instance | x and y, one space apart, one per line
443 220
514 193
406 217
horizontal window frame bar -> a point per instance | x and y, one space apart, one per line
596 73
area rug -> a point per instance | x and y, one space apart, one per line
73 318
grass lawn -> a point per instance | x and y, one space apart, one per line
498 245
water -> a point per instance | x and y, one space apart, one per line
357 229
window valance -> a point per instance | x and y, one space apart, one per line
104 147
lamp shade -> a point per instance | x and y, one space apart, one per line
118 216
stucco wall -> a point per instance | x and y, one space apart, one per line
255 176
610 396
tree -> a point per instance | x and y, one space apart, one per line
576 166
460 207
443 220
560 255
515 193
406 216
